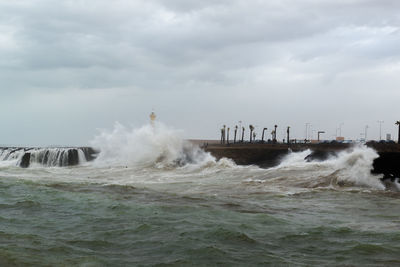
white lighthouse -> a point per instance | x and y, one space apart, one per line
152 118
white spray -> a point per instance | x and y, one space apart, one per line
351 167
151 145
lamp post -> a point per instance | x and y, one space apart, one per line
224 133
320 132
340 129
262 138
361 137
380 130
307 125
240 126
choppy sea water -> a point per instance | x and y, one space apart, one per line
163 202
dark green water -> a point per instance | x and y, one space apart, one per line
72 217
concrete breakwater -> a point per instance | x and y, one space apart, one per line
263 155
53 156
270 155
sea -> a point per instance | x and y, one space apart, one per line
150 198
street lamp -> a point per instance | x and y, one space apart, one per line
340 129
240 125
380 129
320 132
398 123
307 124
262 139
366 131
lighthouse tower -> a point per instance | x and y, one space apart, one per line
152 118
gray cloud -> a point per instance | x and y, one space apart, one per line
263 61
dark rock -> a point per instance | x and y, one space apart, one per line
388 163
25 160
90 153
319 155
73 158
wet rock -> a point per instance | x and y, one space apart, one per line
25 160
90 153
73 158
319 155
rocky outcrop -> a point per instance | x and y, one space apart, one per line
61 156
388 164
25 160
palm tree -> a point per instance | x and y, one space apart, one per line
288 130
251 132
398 140
243 129
227 136
276 126
224 132
234 139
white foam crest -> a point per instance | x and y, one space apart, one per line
356 166
294 159
10 156
350 167
150 145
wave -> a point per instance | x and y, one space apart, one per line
152 145
154 148
349 168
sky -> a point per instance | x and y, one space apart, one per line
70 68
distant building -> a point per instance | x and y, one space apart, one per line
388 137
339 138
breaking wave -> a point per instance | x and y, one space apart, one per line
152 145
344 169
155 148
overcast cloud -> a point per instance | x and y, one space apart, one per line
70 67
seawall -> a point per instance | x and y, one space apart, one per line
270 155
263 155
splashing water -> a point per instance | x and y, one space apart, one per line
355 167
347 168
156 146
153 145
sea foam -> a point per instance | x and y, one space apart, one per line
154 145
